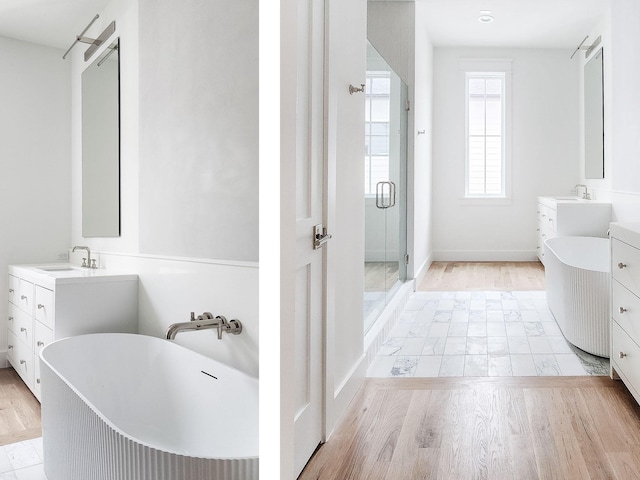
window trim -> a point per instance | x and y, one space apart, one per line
488 67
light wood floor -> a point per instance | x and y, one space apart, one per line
19 409
507 276
485 428
380 276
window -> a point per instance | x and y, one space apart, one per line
486 152
377 119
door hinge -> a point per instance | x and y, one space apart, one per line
407 105
406 259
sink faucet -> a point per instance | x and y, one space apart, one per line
205 321
586 195
86 262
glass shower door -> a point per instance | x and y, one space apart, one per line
385 185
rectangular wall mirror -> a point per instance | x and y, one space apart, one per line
594 117
101 145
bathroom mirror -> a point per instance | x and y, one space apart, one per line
101 145
594 117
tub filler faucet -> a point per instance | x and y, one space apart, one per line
203 322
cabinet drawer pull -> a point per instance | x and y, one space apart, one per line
622 309
622 354
9 347
22 329
23 297
40 344
622 265
11 290
10 319
38 381
40 305
22 362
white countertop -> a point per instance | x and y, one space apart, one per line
64 273
552 201
627 232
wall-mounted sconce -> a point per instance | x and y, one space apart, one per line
93 42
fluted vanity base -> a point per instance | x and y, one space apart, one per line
578 290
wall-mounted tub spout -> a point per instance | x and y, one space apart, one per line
203 322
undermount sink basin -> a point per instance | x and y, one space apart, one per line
61 268
576 199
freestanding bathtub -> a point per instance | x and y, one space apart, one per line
577 277
121 406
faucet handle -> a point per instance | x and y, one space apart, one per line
84 262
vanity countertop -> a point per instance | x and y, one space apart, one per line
552 201
64 273
627 232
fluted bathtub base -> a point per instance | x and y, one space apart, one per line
579 297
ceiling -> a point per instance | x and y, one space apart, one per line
47 22
518 23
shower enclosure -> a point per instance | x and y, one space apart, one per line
385 162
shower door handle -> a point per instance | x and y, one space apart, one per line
380 195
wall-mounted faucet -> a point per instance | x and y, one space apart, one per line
586 195
205 321
86 262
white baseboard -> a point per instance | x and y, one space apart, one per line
484 256
422 270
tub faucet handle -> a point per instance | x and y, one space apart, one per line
622 310
621 265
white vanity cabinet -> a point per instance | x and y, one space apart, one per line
625 305
46 305
570 216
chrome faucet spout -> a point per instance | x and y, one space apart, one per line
585 195
88 263
203 322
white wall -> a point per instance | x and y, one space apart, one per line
34 157
183 274
421 174
544 154
620 31
199 128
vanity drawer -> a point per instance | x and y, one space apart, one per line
12 340
625 264
43 336
44 306
25 296
12 313
23 328
14 286
625 307
23 362
623 346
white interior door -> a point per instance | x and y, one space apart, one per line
310 261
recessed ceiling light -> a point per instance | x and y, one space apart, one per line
485 16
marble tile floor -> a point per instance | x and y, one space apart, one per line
22 461
480 334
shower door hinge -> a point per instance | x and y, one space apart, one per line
406 259
407 105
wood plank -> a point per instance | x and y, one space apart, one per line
505 428
19 409
508 276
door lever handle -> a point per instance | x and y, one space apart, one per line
320 236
